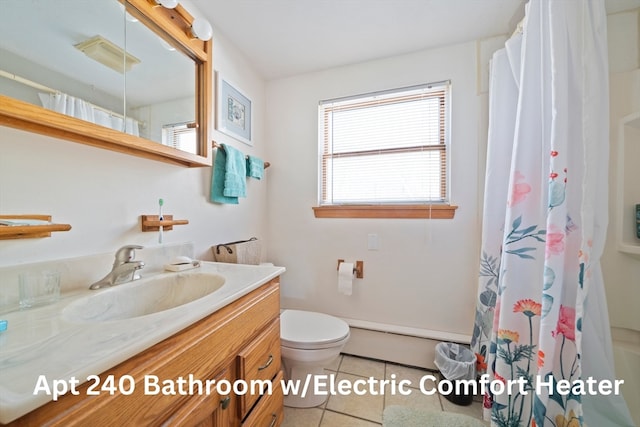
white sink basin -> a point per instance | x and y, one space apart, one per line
143 297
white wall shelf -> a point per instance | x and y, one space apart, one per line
628 168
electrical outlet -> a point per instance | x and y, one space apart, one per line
373 243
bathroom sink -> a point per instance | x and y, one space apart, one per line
143 297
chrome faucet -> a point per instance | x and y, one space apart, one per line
123 270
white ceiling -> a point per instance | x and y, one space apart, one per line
287 37
279 37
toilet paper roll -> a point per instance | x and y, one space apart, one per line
345 278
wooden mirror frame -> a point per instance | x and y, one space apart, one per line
173 25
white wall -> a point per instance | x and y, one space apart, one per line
425 273
622 271
103 193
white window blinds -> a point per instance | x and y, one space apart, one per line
182 136
385 148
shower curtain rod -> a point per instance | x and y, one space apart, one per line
38 86
26 81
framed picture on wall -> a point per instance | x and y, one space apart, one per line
234 112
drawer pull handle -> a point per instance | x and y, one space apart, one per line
224 403
266 365
274 418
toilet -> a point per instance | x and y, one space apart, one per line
310 341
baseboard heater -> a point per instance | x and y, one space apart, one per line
399 344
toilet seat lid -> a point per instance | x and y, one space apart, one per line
308 329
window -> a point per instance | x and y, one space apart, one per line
181 136
386 151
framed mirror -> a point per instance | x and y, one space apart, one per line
122 75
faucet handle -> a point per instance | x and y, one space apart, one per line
126 253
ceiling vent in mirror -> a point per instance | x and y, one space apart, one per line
107 53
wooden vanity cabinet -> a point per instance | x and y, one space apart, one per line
238 343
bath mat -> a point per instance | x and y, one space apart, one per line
402 416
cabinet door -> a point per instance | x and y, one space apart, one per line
206 410
259 361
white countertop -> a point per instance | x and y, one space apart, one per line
39 341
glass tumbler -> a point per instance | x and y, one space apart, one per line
38 288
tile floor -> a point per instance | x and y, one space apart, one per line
366 410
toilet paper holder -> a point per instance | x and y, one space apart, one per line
358 269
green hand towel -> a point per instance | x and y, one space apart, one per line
255 167
235 181
217 179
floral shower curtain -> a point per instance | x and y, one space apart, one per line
544 223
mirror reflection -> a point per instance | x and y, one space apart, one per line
93 61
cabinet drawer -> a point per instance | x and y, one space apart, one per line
269 411
260 360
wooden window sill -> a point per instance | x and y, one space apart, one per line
386 211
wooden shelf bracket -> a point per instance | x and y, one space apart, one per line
153 223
